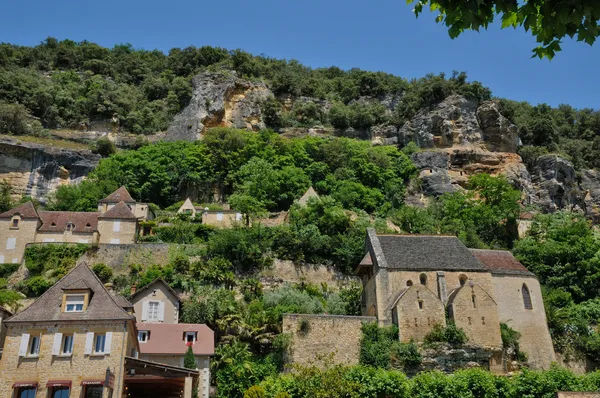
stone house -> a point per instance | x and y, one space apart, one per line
114 223
221 218
4 313
187 208
78 340
413 280
65 342
155 303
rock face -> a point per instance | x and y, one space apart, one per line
36 170
459 121
219 99
553 179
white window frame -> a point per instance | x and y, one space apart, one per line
33 349
11 243
146 335
194 337
66 338
116 226
74 303
153 316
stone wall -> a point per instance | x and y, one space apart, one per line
284 271
76 367
315 337
23 235
563 394
120 257
125 234
67 237
156 292
417 312
535 338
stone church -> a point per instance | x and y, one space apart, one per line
418 281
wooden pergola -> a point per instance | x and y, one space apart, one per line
147 379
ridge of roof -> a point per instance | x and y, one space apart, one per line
119 211
120 195
47 307
26 210
157 280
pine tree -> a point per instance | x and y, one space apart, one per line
189 361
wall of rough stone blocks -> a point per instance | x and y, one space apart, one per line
535 338
479 320
284 271
325 335
415 321
120 257
578 394
156 292
125 235
87 238
75 368
24 234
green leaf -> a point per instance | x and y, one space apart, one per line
509 19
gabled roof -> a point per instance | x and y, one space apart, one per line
120 195
310 193
122 301
26 210
160 281
169 338
501 262
2 309
56 221
47 308
119 211
79 284
187 205
422 253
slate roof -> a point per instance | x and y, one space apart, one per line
427 253
168 338
154 282
501 262
122 301
119 211
120 195
56 221
26 210
47 308
2 309
79 284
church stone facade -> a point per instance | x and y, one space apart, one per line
413 281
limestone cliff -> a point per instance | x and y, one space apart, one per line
219 99
37 170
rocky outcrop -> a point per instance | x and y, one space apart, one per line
36 170
555 185
459 121
219 99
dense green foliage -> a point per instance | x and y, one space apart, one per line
450 334
360 381
53 260
380 348
548 20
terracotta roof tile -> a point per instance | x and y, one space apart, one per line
47 307
168 338
500 262
56 221
26 210
120 195
119 211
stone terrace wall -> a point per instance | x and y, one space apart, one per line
120 257
563 394
284 271
325 335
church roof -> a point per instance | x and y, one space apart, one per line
26 210
120 195
47 308
119 211
424 253
56 221
500 262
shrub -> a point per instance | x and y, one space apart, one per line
57 257
104 147
251 289
255 392
34 286
376 345
103 271
405 355
8 269
303 327
450 334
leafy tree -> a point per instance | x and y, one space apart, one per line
248 205
549 20
5 198
103 271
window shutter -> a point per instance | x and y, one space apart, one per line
56 345
116 226
89 342
11 243
107 342
24 344
161 311
145 311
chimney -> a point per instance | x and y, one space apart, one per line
133 289
442 291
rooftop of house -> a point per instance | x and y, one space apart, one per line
310 193
119 211
423 253
48 307
26 210
120 195
154 283
501 262
56 221
166 338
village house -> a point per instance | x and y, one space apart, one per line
162 338
78 340
114 223
4 313
412 281
224 218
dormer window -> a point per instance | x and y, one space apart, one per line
70 227
191 337
74 302
15 222
143 336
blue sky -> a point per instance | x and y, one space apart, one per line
372 35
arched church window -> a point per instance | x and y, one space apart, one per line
409 283
423 279
526 297
462 279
